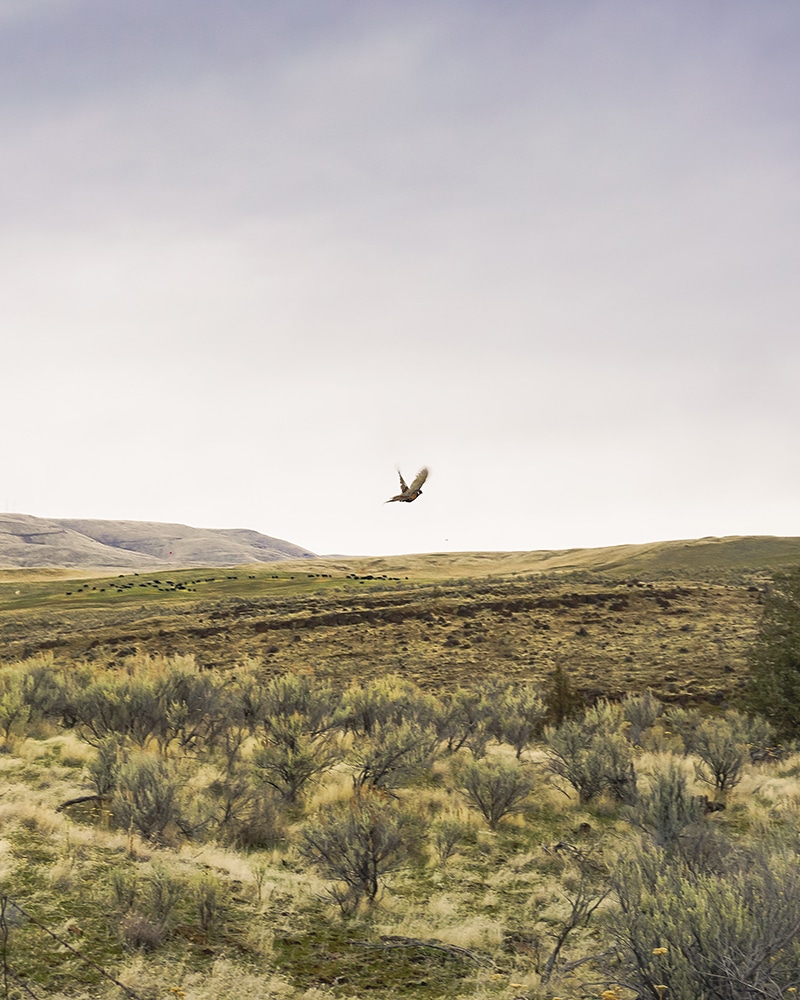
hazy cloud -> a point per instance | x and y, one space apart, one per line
253 257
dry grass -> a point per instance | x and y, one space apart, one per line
440 620
507 886
499 895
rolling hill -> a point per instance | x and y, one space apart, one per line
676 617
33 542
700 559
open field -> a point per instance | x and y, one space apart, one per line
190 762
675 617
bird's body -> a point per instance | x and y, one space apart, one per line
411 492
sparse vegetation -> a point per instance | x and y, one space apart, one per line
249 830
573 638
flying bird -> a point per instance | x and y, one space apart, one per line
410 492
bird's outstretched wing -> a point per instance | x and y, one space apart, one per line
422 475
403 487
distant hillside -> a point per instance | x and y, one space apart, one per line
697 559
30 542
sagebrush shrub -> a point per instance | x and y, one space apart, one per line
497 787
719 747
385 701
461 720
210 902
774 682
141 933
392 755
641 711
732 932
448 835
359 842
591 760
148 796
667 808
14 709
298 696
104 769
291 756
683 722
518 716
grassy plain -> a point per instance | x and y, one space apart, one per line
674 617
478 921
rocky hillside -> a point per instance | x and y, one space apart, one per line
29 542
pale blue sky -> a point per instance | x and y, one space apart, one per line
254 255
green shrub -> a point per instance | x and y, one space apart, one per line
210 902
461 720
497 787
147 905
560 697
163 892
731 933
518 716
723 753
448 835
125 888
357 843
683 722
194 706
382 702
291 756
298 696
604 717
148 797
393 755
758 734
46 688
591 761
641 711
14 709
667 809
119 705
774 682
104 769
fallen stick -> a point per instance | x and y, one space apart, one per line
83 798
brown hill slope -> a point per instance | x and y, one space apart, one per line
677 617
30 542
686 640
697 559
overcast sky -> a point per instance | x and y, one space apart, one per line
255 255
